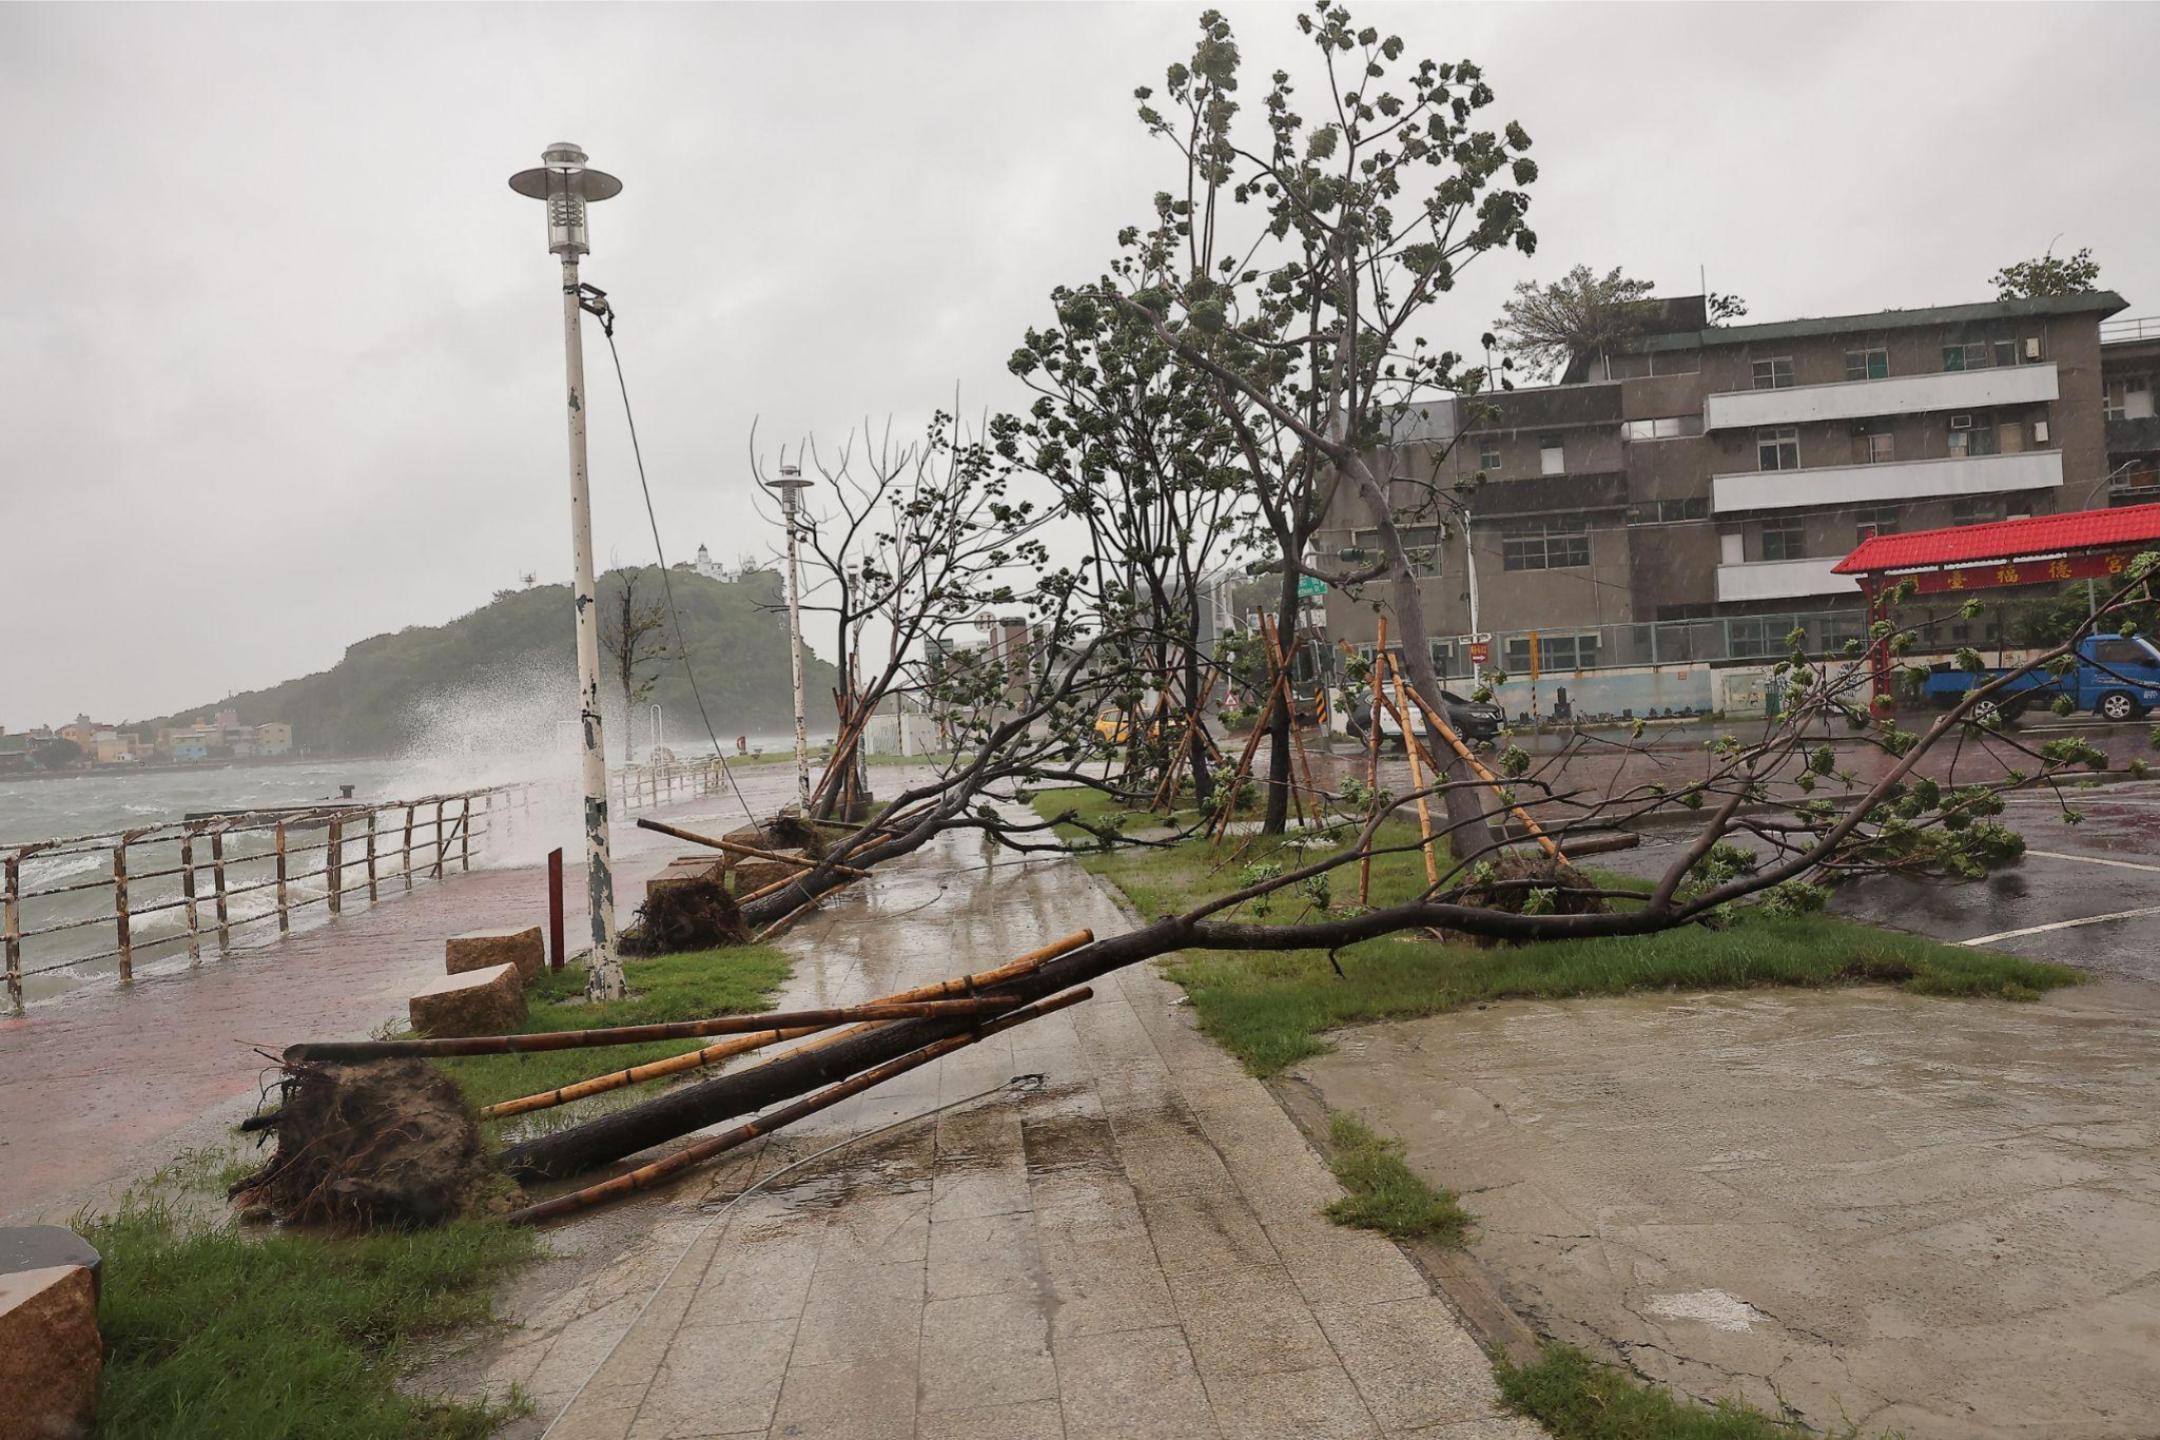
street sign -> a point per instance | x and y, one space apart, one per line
1308 586
1480 655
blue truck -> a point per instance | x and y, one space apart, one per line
2117 677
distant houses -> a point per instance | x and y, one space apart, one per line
85 742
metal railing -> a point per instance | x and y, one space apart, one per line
645 787
2137 327
156 887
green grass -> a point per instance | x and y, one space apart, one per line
1272 1008
1384 1193
688 986
211 1331
1578 1399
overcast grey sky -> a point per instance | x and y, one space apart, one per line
279 351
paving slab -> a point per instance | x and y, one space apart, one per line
1132 1249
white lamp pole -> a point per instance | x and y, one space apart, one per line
791 485
566 185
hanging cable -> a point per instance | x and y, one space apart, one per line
594 301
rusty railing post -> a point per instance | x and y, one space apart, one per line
555 909
371 857
284 907
11 926
442 842
334 866
406 863
217 884
187 898
464 824
120 909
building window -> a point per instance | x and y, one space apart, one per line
1774 374
1867 364
1974 436
1878 520
1777 449
1554 652
1666 428
1554 544
1670 512
1443 657
1877 447
1966 357
1972 510
1784 539
1552 459
2130 398
1488 454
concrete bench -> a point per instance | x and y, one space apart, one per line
483 949
472 1002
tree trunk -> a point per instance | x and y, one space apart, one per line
1281 717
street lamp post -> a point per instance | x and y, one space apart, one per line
567 186
791 484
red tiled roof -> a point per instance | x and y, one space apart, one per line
2006 540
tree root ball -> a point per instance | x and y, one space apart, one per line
387 1143
1531 883
690 915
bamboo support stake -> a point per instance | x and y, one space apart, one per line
736 847
1411 747
371 895
284 910
334 867
1245 760
120 910
538 1040
742 1044
405 864
1372 761
11 927
680 1160
187 898
217 885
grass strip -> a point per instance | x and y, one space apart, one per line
1384 1193
1272 1008
1576 1398
212 1331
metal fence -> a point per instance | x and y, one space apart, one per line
1665 642
85 902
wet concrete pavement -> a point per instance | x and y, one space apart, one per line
1936 1218
1137 1249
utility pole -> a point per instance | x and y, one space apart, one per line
791 485
566 185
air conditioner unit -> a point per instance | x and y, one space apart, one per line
2040 432
1961 422
2032 347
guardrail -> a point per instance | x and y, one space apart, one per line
193 879
2137 327
78 903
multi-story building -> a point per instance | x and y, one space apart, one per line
1681 502
2130 377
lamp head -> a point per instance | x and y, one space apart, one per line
565 183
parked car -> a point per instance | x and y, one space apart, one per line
1471 719
2117 677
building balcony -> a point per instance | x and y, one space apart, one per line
1866 399
1782 579
1892 480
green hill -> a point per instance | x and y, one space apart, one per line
368 703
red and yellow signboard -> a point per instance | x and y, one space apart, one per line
1994 575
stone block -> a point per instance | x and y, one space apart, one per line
687 869
34 1247
50 1353
476 1002
485 949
